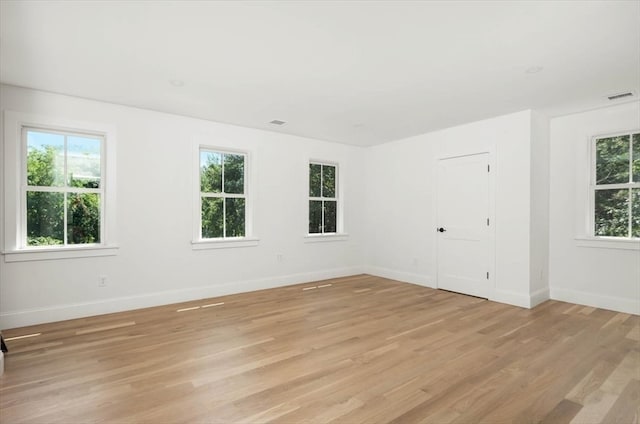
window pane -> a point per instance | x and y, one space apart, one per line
45 218
330 209
210 172
612 213
212 215
328 181
635 213
83 218
235 217
234 174
636 158
315 216
612 160
83 162
315 171
45 159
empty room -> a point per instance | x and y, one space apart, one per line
320 212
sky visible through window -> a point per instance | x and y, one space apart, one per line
75 144
83 153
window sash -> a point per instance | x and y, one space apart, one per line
323 198
629 186
64 189
223 195
616 186
335 199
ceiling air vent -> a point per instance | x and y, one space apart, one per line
277 122
620 95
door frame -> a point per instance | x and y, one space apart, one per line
491 241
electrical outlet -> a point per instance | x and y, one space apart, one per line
102 281
280 257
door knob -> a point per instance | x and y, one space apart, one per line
442 230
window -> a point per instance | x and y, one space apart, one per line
62 190
223 200
59 188
616 187
323 198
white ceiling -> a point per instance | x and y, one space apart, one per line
354 72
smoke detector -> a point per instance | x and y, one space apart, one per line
277 122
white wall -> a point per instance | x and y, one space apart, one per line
156 263
539 225
401 202
583 271
389 205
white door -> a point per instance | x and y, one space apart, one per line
463 224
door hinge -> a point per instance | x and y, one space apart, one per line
487 275
488 168
487 222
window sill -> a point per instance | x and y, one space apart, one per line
317 238
52 253
224 243
608 243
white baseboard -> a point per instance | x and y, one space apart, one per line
405 277
618 304
510 298
21 318
502 296
518 299
538 296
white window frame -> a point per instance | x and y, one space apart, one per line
199 243
593 240
340 234
15 161
64 189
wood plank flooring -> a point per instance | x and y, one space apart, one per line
360 349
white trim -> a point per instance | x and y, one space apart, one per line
619 186
199 243
317 238
21 318
339 196
65 252
608 243
495 295
538 297
615 134
65 189
589 233
511 298
13 173
613 303
224 243
405 277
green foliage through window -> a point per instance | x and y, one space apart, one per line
617 186
63 188
222 194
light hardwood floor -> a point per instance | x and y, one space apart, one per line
360 350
